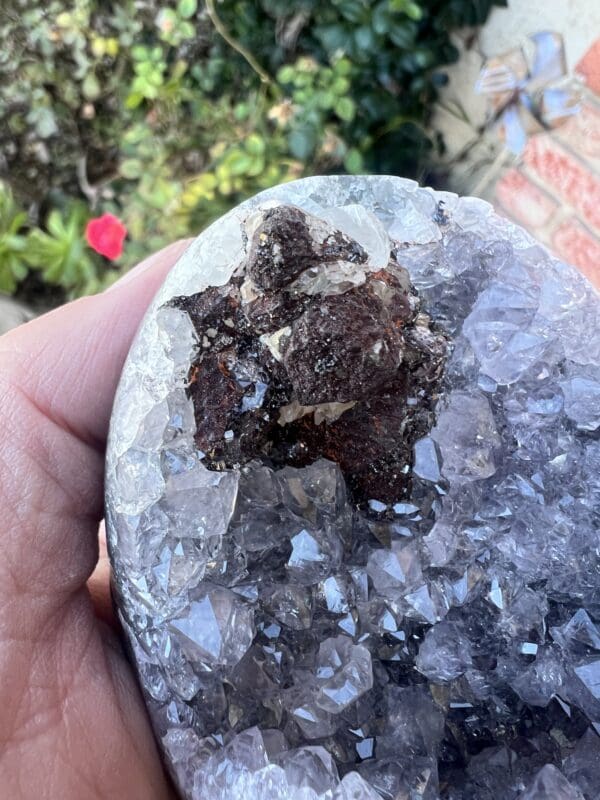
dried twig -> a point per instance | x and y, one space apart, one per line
91 192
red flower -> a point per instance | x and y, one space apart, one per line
105 235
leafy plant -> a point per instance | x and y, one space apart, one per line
13 243
174 23
168 112
60 252
319 94
149 66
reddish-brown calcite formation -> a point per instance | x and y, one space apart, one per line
294 364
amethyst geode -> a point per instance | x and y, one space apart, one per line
353 504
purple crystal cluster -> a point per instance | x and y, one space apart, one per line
353 503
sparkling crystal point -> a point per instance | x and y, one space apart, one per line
550 782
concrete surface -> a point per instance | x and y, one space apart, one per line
577 20
12 314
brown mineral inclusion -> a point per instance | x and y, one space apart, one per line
308 353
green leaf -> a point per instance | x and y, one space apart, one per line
352 10
364 38
241 111
187 8
13 243
55 224
186 31
131 168
353 162
133 100
140 53
8 284
257 167
91 87
325 100
286 74
19 268
255 144
381 18
238 162
340 85
345 108
334 38
414 11
179 69
403 34
302 141
343 66
44 121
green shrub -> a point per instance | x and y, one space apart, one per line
167 114
13 244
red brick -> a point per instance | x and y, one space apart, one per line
589 67
524 201
572 180
577 245
582 133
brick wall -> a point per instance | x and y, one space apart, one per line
555 190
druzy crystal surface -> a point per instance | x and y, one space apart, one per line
353 504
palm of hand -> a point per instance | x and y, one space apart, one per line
72 720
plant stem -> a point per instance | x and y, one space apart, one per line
246 54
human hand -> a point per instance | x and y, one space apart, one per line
72 720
